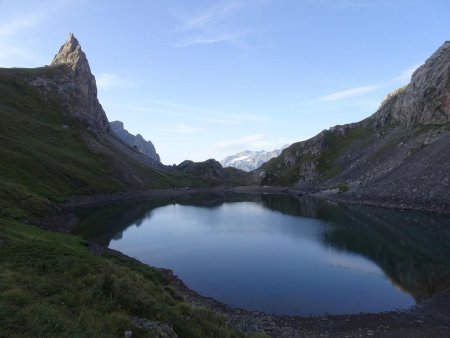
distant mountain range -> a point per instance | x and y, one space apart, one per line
250 160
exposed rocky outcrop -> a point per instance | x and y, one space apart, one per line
249 160
426 100
75 84
135 141
397 156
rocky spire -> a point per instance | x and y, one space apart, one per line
81 91
71 54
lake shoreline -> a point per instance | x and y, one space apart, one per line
346 198
429 318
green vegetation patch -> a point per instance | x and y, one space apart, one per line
279 173
51 285
285 174
343 187
336 145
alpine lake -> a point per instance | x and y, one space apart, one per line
281 254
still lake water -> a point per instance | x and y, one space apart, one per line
284 255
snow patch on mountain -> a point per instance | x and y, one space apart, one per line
250 160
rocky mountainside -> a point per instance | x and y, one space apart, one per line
135 141
249 160
397 156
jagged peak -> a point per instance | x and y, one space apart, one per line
117 124
71 54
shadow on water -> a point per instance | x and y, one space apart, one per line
412 248
102 224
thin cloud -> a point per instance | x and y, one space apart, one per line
213 24
247 142
199 40
344 94
25 21
198 113
11 53
183 129
212 14
108 81
407 73
354 3
404 76
237 119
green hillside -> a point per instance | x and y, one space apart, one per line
46 155
52 285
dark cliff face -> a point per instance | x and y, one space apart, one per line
75 85
397 154
136 141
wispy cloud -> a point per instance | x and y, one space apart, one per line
343 94
404 76
206 40
10 54
353 3
108 80
213 24
24 21
200 114
212 14
236 119
12 51
407 73
255 141
183 129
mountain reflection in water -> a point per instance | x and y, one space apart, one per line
411 248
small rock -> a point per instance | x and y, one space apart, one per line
128 334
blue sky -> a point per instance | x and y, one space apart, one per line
206 79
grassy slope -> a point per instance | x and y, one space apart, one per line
50 284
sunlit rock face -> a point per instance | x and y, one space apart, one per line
69 76
426 99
